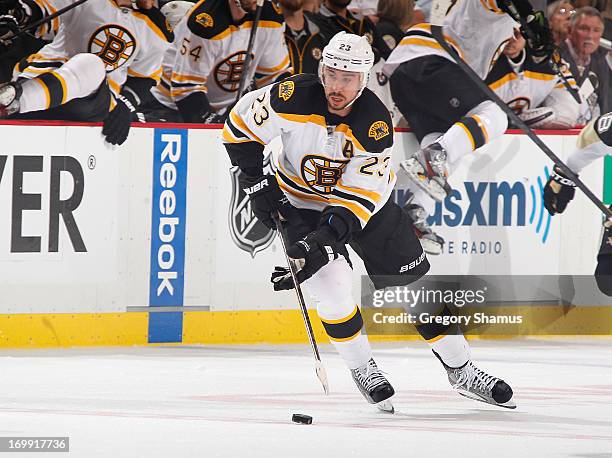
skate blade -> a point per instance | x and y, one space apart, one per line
507 405
386 406
431 247
432 187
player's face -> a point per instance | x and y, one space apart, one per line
248 5
515 45
341 87
292 5
586 34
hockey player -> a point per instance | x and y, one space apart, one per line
594 141
80 75
448 114
332 188
533 89
203 67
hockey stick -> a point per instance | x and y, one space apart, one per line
555 61
248 58
48 18
436 31
319 369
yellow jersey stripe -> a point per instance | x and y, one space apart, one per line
313 118
469 134
275 69
240 125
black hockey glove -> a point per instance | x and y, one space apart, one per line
9 27
539 37
118 122
267 199
558 192
309 254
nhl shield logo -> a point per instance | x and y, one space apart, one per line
249 234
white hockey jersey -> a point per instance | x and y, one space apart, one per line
128 41
326 160
209 50
476 29
526 85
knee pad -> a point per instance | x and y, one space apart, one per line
490 118
83 73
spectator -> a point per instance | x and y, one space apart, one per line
559 14
334 17
588 61
394 18
533 90
312 6
304 38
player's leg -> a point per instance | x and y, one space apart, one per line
79 77
395 258
434 95
603 271
331 288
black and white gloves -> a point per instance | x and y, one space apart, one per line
118 122
539 37
267 199
558 191
309 255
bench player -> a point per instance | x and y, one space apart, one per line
80 75
448 114
203 67
332 188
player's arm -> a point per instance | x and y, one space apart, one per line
250 126
534 27
143 73
594 141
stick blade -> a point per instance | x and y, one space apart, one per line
322 375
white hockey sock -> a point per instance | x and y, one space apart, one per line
480 125
355 352
79 77
453 349
331 288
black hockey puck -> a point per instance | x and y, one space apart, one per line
301 418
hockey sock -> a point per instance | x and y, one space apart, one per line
79 77
331 288
349 339
481 124
452 349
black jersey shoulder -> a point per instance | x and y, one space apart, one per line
370 122
209 18
271 12
301 94
158 21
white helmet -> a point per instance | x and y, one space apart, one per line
351 53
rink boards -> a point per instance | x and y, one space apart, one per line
152 242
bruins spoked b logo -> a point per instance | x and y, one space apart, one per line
321 174
229 71
114 44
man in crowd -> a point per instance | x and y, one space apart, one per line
588 62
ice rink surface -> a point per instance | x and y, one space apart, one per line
238 401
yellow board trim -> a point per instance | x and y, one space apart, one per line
54 330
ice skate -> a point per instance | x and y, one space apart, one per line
476 384
374 386
427 168
9 99
431 242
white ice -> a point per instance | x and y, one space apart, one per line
238 401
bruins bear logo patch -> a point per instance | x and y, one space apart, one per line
205 20
378 130
285 90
